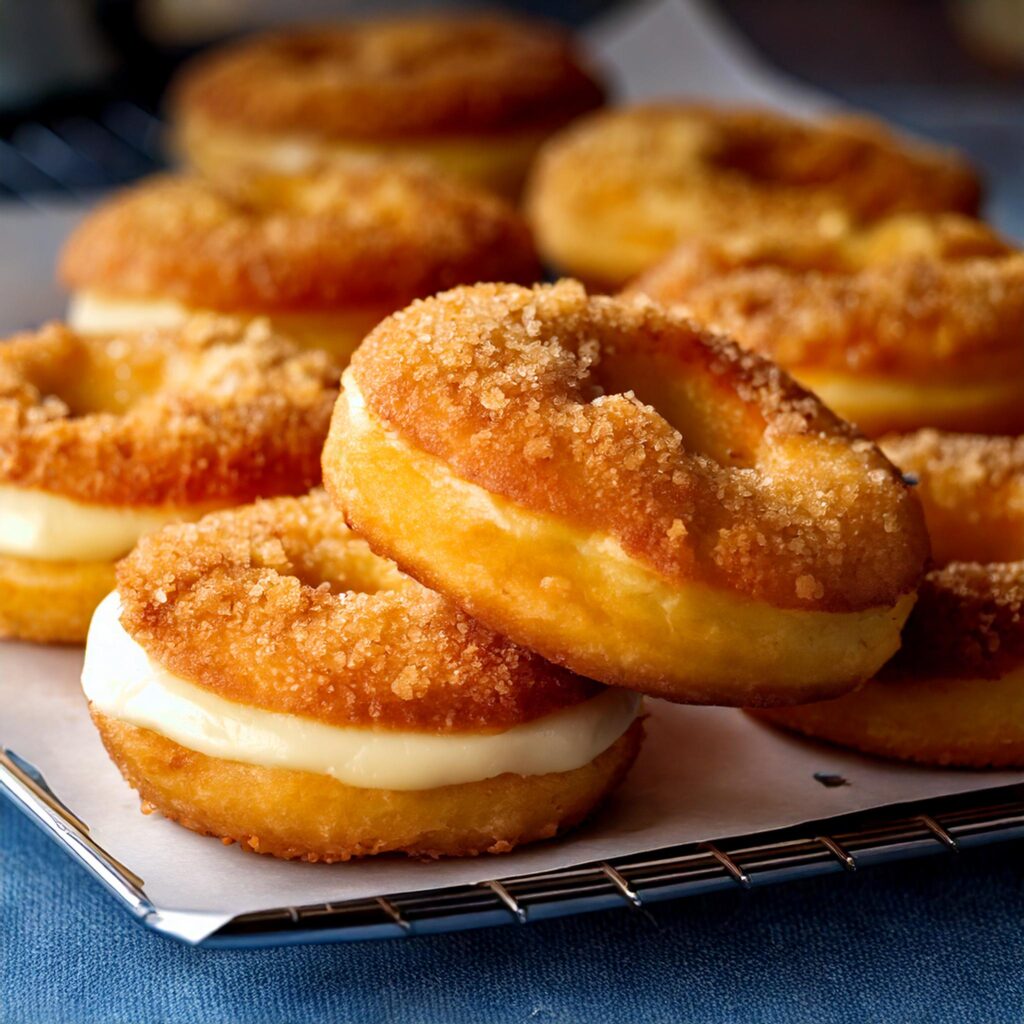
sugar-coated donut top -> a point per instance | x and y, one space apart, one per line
616 192
752 165
279 606
731 475
393 78
363 235
910 295
215 411
968 623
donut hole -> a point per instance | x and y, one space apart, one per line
664 374
309 51
785 159
317 548
90 376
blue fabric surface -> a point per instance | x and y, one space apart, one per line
932 940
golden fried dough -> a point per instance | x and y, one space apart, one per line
626 494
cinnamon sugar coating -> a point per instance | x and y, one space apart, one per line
279 606
393 79
972 491
643 179
321 241
705 462
968 623
913 297
216 411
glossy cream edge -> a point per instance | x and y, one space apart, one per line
45 526
122 682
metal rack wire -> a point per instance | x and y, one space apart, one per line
947 825
942 826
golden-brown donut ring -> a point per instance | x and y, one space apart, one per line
474 96
166 424
215 412
325 255
615 193
311 817
625 494
276 606
50 602
954 694
971 489
912 322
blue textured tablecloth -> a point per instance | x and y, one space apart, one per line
934 940
931 940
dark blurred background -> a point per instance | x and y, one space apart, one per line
81 80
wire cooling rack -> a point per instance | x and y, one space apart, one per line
850 843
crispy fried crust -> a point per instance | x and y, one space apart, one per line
50 602
954 693
335 239
971 489
967 624
216 411
925 300
300 815
732 476
279 606
391 79
616 192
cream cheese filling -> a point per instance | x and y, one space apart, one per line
863 399
339 331
498 160
38 524
123 682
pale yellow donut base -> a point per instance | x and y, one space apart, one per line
338 333
50 602
295 814
498 163
577 598
894 406
971 723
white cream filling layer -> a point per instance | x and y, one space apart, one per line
123 683
50 527
91 313
340 330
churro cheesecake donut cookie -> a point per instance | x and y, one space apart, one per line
105 438
626 494
473 96
262 676
615 193
972 490
954 693
325 255
912 322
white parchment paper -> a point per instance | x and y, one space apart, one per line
705 773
